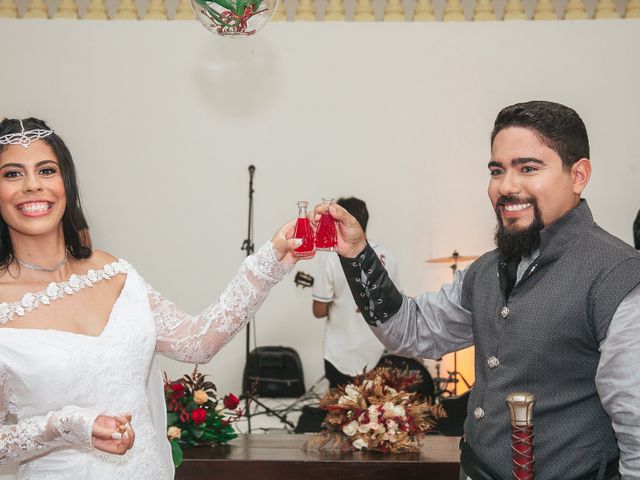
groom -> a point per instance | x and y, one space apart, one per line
553 310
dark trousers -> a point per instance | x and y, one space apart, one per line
335 376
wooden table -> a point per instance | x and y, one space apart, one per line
281 457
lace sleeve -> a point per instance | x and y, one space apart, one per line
39 434
196 339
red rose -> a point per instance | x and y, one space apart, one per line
231 401
177 390
198 415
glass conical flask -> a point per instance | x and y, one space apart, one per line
304 231
326 233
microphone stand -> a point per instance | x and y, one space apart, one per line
247 245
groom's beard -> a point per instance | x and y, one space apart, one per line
516 242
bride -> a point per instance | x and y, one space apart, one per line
79 328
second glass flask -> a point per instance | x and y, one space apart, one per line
326 233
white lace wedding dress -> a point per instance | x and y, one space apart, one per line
55 383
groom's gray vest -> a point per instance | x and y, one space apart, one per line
544 339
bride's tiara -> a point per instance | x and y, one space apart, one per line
24 138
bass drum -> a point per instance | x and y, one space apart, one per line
425 387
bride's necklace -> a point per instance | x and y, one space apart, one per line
40 268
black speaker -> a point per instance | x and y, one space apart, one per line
274 372
456 408
310 420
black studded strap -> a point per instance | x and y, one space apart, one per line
375 294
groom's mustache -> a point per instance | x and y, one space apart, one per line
510 199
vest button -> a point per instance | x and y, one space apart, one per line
478 413
504 312
493 361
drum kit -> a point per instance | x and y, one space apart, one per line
454 377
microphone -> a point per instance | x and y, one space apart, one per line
251 169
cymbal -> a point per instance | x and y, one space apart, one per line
455 257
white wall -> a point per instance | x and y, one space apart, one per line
164 119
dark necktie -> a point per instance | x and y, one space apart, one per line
508 275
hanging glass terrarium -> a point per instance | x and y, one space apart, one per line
234 18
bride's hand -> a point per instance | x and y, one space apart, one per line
113 434
284 243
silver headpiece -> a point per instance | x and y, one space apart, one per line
24 139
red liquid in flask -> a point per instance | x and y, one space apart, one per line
326 235
304 231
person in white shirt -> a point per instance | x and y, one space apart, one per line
349 345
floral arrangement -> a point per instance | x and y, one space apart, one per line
196 416
376 412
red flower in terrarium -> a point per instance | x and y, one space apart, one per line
199 415
231 401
